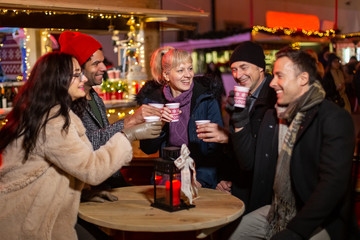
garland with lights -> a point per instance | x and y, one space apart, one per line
91 15
295 32
349 35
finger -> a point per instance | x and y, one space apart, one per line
108 196
111 197
96 199
231 93
209 139
219 187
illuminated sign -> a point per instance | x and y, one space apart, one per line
292 20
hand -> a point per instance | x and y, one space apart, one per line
286 235
224 186
239 116
95 195
166 115
138 116
143 131
212 132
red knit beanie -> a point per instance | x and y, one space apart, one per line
79 45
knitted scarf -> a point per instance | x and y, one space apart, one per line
283 207
178 133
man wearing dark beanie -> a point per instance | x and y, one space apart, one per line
247 63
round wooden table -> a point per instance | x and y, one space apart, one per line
132 212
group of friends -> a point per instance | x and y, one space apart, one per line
287 154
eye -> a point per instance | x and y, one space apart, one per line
96 63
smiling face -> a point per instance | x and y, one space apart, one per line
180 78
94 69
288 82
247 74
76 88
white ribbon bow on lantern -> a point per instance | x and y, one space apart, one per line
186 164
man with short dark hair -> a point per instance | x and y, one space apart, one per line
302 161
88 51
92 111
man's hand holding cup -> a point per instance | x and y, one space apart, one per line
237 106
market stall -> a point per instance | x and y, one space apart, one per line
132 26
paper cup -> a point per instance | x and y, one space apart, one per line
174 108
199 122
111 74
157 105
117 74
152 118
240 96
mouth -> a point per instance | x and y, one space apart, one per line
243 81
185 82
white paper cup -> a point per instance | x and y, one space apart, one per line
117 74
157 105
152 118
240 96
199 122
111 74
174 108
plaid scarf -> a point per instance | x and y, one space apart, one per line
283 207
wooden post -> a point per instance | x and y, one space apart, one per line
336 14
152 42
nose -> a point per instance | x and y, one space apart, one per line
238 74
102 67
188 73
83 78
273 82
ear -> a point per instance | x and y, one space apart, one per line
303 78
165 76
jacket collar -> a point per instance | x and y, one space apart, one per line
99 104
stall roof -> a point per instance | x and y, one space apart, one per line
95 6
84 14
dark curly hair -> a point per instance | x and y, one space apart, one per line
46 87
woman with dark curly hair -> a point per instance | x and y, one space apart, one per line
46 156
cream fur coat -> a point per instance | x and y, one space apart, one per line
39 198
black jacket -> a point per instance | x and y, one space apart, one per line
320 170
242 179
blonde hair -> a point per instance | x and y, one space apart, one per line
166 58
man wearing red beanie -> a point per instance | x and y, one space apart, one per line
88 51
92 111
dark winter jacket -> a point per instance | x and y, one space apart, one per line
320 169
242 179
203 106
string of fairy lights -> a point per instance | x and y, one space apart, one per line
291 32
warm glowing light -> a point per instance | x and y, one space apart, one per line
292 20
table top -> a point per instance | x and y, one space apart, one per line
132 212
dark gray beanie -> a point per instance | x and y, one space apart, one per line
249 52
